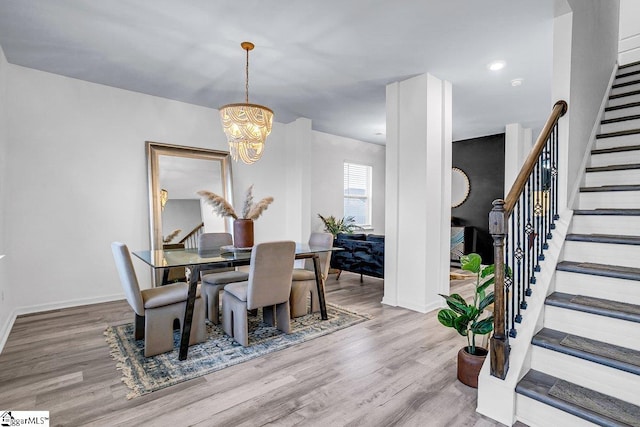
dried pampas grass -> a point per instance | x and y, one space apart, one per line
219 204
250 210
171 236
258 208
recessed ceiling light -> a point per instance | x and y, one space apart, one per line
517 82
496 65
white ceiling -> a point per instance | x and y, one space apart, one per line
327 60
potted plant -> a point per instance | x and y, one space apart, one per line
242 226
334 226
466 318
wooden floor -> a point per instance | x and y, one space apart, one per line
397 369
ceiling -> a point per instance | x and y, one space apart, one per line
326 60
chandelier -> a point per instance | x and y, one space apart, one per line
246 125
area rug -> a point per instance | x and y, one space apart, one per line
147 374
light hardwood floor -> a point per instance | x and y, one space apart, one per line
397 369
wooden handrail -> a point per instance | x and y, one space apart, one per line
559 110
192 232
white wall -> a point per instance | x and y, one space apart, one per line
5 294
629 45
594 45
328 154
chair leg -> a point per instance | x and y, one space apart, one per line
234 319
283 318
338 275
298 299
227 314
211 295
138 327
360 278
268 316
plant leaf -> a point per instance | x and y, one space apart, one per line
447 317
471 262
489 269
483 326
486 284
461 324
456 303
488 300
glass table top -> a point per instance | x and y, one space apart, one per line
165 258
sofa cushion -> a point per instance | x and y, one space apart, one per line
355 236
375 238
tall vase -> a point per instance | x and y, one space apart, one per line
243 233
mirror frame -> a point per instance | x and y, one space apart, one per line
154 151
462 198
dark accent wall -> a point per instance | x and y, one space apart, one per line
482 159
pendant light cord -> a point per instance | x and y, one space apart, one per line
246 86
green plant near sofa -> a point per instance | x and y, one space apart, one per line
334 226
465 317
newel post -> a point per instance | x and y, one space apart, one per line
499 341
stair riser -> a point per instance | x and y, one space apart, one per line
623 112
625 89
616 158
619 126
621 177
537 414
606 224
623 100
631 78
604 379
598 287
603 253
625 70
617 141
609 199
609 330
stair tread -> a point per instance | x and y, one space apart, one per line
622 95
599 306
603 270
582 402
622 212
610 168
613 135
623 106
620 119
610 188
628 74
604 238
622 358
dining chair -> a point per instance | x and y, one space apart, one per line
213 281
303 285
157 309
269 286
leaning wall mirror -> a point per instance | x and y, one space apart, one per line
176 173
460 187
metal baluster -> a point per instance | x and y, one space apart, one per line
518 255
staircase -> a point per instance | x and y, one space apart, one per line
585 361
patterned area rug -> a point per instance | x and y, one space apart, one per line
146 374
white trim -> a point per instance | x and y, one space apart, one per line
6 328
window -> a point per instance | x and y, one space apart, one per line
357 193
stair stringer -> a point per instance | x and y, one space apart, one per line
496 397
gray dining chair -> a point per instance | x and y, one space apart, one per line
157 309
213 281
269 286
303 285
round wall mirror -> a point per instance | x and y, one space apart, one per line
460 187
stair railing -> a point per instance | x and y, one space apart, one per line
191 239
530 211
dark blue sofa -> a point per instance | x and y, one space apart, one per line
362 254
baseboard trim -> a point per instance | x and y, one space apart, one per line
6 329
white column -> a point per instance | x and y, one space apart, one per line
298 140
418 193
517 146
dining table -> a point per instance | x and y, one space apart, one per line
197 261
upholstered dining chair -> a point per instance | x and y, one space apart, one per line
269 286
213 281
303 285
157 309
